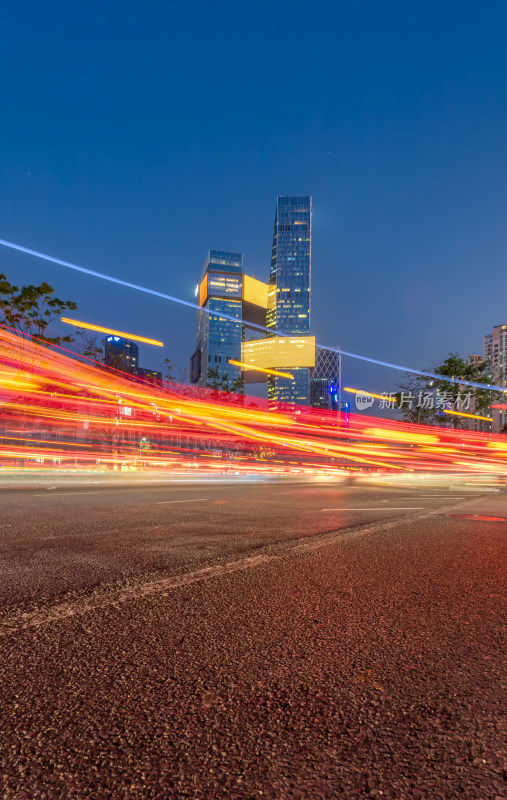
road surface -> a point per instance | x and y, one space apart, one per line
252 640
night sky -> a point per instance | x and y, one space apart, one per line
135 136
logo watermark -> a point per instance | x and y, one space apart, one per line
425 401
364 400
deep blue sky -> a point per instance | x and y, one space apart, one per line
134 136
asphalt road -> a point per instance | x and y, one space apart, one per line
252 640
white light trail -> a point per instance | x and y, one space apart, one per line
94 273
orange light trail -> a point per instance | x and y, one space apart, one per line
57 412
470 416
88 326
260 369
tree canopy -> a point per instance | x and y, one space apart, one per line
31 309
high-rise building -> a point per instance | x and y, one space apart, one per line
121 353
230 302
288 311
218 338
495 351
325 380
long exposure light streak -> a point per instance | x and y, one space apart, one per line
470 416
189 304
88 326
57 412
260 369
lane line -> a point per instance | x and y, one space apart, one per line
62 494
18 622
190 500
381 508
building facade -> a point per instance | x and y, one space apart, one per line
325 380
121 353
230 302
289 300
148 375
495 351
218 338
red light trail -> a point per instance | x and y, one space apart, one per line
57 412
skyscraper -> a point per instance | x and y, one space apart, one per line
218 338
288 309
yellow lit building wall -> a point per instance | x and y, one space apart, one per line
255 292
277 352
203 291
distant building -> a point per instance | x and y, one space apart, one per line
121 353
289 290
325 380
495 351
149 375
475 360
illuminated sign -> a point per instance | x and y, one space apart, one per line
279 351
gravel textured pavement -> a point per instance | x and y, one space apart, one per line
358 660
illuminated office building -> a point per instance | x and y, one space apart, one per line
288 311
121 353
282 306
218 338
148 375
325 380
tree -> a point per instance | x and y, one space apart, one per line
169 370
456 367
31 309
410 400
91 347
448 392
221 383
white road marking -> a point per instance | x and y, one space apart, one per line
381 508
190 500
62 494
163 587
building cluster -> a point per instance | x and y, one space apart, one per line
250 331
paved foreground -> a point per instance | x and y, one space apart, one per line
261 647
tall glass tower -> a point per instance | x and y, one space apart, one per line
218 338
288 311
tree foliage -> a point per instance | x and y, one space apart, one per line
91 347
456 368
221 383
31 309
